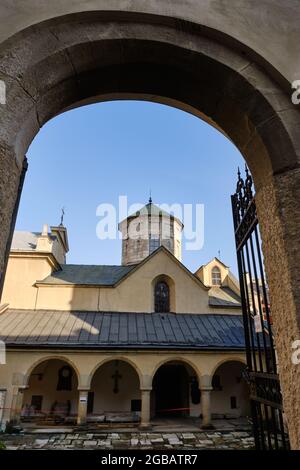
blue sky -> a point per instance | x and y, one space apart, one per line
93 154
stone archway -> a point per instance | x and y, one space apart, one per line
114 394
71 60
51 396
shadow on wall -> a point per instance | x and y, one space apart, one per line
230 396
52 394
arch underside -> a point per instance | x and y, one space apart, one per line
71 61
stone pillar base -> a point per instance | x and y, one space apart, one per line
207 426
145 427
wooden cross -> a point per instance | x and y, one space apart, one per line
116 376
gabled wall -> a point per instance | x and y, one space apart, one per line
204 273
22 272
132 294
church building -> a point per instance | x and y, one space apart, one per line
134 343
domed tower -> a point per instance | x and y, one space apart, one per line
146 230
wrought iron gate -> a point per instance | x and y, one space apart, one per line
261 373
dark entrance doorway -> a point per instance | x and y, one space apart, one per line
171 391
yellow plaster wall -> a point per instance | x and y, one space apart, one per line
68 298
103 385
22 272
232 386
137 292
134 294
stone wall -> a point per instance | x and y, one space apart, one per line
279 215
9 182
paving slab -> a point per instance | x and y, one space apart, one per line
114 440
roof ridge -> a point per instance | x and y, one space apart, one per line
172 314
98 265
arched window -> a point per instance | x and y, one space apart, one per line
162 297
216 276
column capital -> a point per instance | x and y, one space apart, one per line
146 381
206 389
83 389
18 379
21 388
205 381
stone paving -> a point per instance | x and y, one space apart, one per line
131 440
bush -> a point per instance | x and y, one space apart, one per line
2 446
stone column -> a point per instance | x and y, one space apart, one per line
17 403
206 408
145 410
82 407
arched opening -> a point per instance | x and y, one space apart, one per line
114 395
230 395
175 392
52 394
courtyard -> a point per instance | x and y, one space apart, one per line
165 435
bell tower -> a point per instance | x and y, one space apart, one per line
146 230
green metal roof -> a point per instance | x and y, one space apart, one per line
81 274
153 210
96 330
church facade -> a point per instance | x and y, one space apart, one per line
133 343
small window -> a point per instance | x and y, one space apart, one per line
216 276
162 297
